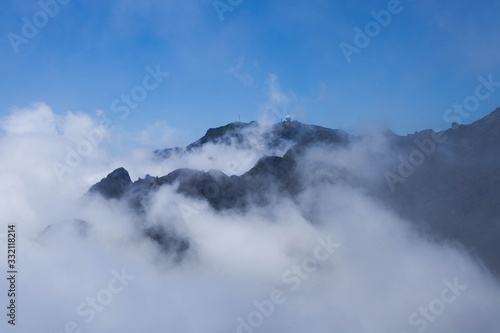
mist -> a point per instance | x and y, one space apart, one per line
333 259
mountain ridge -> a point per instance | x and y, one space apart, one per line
454 192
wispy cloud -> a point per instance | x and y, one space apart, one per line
238 72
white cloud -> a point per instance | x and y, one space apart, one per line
160 134
276 96
237 72
382 272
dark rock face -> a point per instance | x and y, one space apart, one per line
271 174
114 186
168 240
292 132
302 134
229 134
225 134
454 193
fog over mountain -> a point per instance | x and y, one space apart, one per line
255 227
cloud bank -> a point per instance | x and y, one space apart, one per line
331 260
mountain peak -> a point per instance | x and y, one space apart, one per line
240 133
114 185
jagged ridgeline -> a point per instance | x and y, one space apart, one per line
447 182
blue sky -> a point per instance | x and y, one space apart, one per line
265 55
